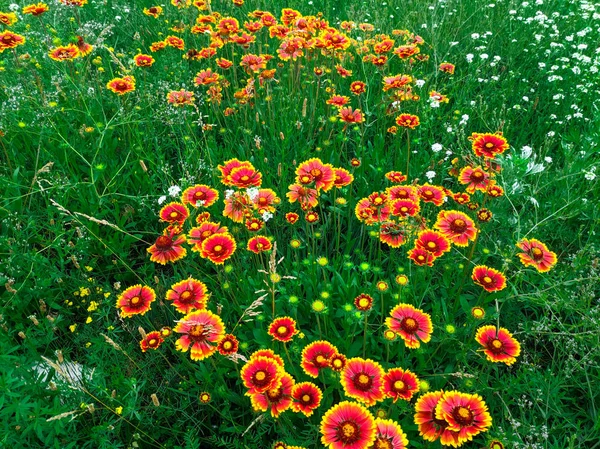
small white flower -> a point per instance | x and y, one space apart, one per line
228 193
551 134
162 199
434 104
266 216
420 83
534 201
548 159
430 175
475 36
436 147
484 56
526 152
174 190
252 193
200 203
470 57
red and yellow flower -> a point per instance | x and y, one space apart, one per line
121 86
277 399
200 195
396 177
198 234
135 300
142 60
218 248
259 244
202 331
307 397
499 344
362 379
315 357
490 279
431 194
337 362
174 213
314 170
9 39
392 234
307 197
342 177
408 121
404 208
475 179
536 254
488 145
400 384
244 177
447 67
358 87
237 206
421 257
229 345
456 226
430 427
433 242
466 414
403 193
389 435
188 295
168 248
411 324
36 9
153 11
363 302
348 115
283 329
260 374
151 341
348 425
64 53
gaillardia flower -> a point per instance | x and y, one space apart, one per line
174 213
363 380
283 329
315 357
456 227
307 397
167 248
121 86
430 427
135 300
498 344
465 413
188 295
260 374
433 242
389 435
491 280
411 324
536 254
259 244
277 399
199 195
488 145
229 345
400 384
198 234
218 248
363 302
348 425
202 331
152 341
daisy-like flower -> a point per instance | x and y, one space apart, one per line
465 413
180 98
389 435
8 18
204 397
432 194
270 354
536 254
433 242
259 244
227 26
167 248
403 193
400 384
491 280
421 257
475 179
408 121
307 397
358 87
348 425
202 331
244 177
175 42
396 82
277 399
363 380
406 51
174 213
200 195
315 357
392 234
363 302
206 77
337 362
314 170
36 9
238 206
135 300
64 53
446 67
283 329
484 215
254 224
292 217
218 248
165 331
404 208
338 101
411 324
307 197
260 374
83 47
152 341
456 226
142 60
229 345
348 115
430 427
9 39
342 177
200 233
499 344
188 295
495 191
396 177
153 11
488 145
121 86
265 200
311 217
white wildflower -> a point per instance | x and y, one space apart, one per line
174 190
436 147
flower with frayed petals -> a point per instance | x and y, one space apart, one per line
404 208
338 101
495 191
476 178
135 300
188 295
283 329
153 11
348 115
307 197
389 435
363 302
314 170
337 362
348 425
432 194
265 200
260 374
392 234
403 193
228 167
447 67
396 82
408 121
465 413
488 145
499 345
83 47
218 248
197 235
174 213
36 9
421 257
64 53
536 254
396 177
142 60
152 341
363 380
456 226
358 87
167 248
342 177
311 217
400 384
432 242
237 206
254 224
202 331
307 397
199 195
411 324
292 217
121 86
244 177
259 244
430 427
315 357
270 354
8 39
491 280
180 98
229 345
278 399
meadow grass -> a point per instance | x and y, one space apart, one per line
84 172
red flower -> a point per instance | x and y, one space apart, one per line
421 257
227 26
338 101
433 242
254 224
228 167
412 324
121 86
224 63
143 60
152 341
400 384
395 176
363 302
499 345
259 244
174 41
135 300
491 280
446 67
64 53
315 357
430 427
389 435
218 248
406 51
432 194
174 213
188 295
167 248
277 399
200 233
292 217
229 345
405 208
199 195
260 374
206 77
315 170
476 178
202 331
363 380
283 329
307 197
358 87
311 217
403 193
396 82
408 121
348 115
392 234
348 425
488 145
466 414
456 226
536 254
495 191
307 397
342 177
265 200
237 206
244 177
36 10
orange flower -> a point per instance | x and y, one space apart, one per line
403 193
488 145
228 26
244 177
396 82
277 399
202 331
406 51
456 226
36 9
135 300
467 414
259 244
491 280
421 257
446 67
347 115
224 63
362 379
283 329
358 87
307 197
261 373
292 217
307 397
411 324
8 18
499 344
237 206
188 295
408 121
311 217
64 53
153 11
167 248
432 194
253 63
342 177
142 60
151 341
121 86
229 166
338 101
536 254
392 234
206 77
314 170
404 208
176 42
395 176
200 233
218 248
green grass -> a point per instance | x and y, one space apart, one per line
82 171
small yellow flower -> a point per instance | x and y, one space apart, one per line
450 328
88 344
72 327
325 295
88 320
389 335
93 306
424 386
402 279
119 410
275 278
322 261
318 306
478 313
382 286
88 268
341 201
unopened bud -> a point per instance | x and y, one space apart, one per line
155 400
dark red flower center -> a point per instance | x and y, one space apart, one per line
462 415
186 296
321 361
486 280
152 342
431 246
399 386
348 432
261 378
199 195
362 381
275 395
135 301
496 346
537 253
164 242
458 226
382 443
409 324
477 176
